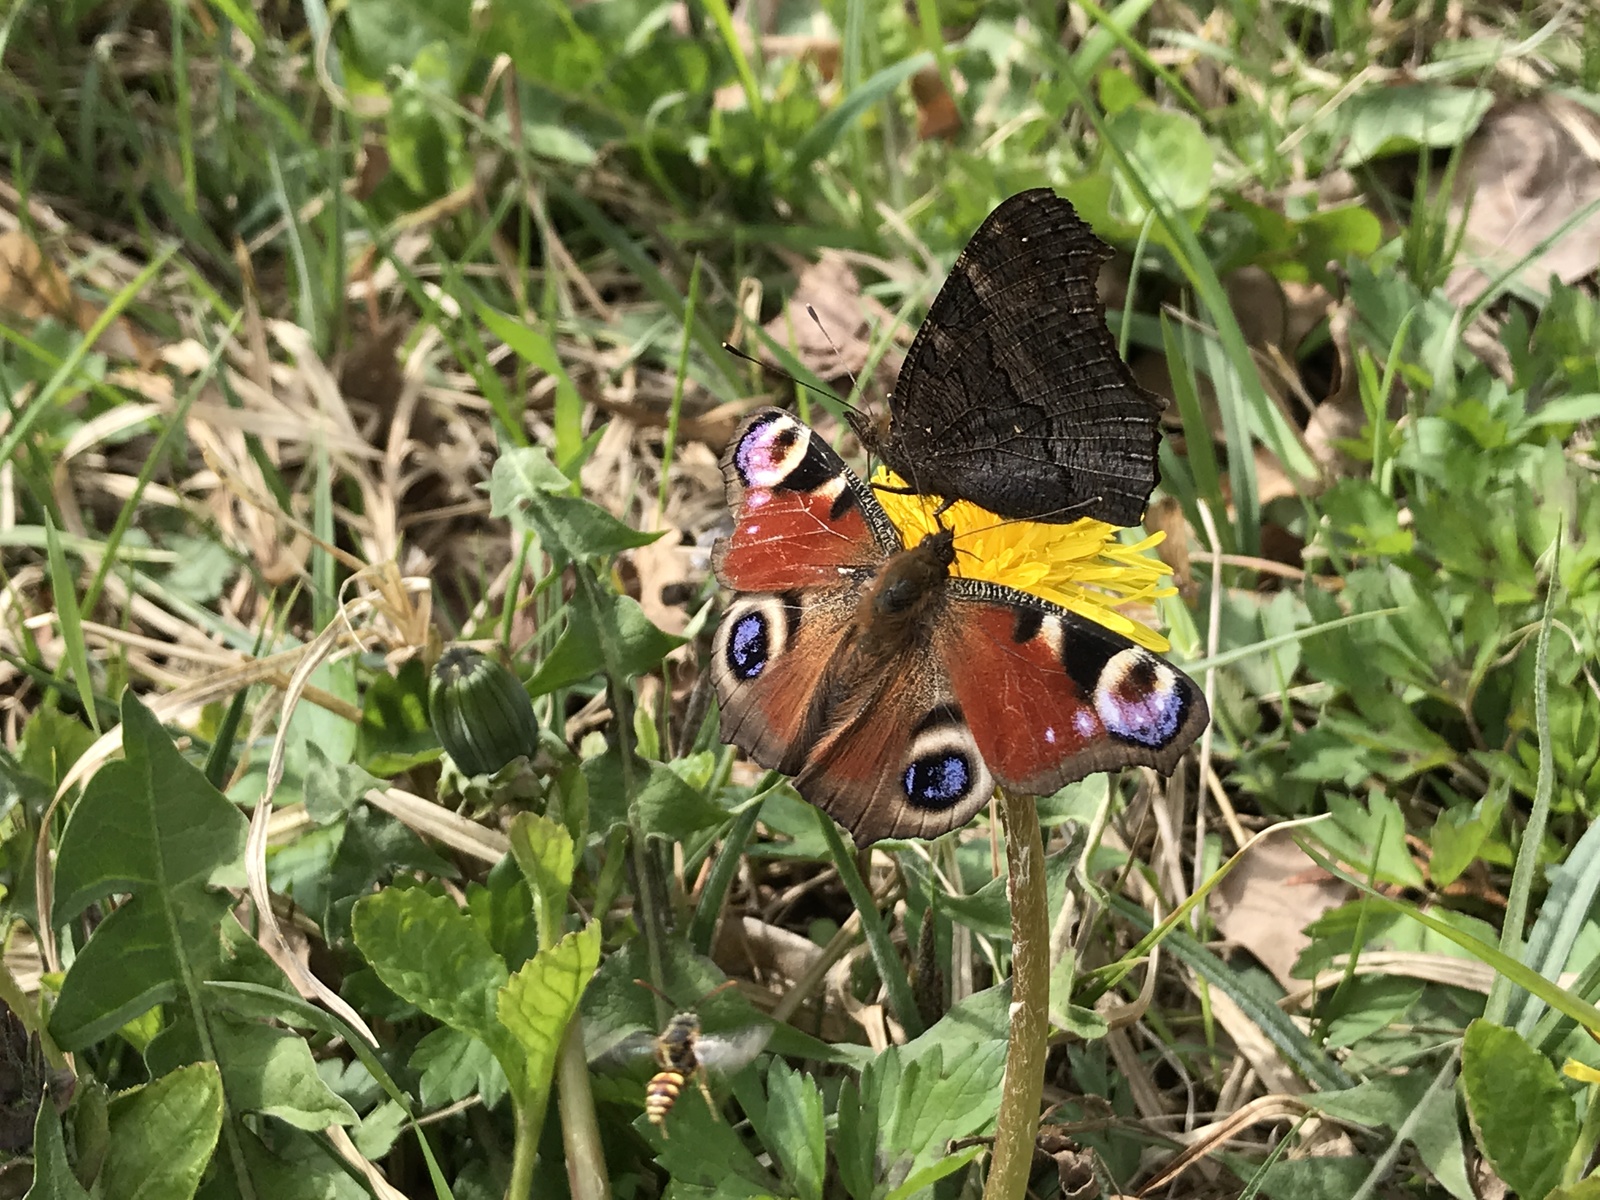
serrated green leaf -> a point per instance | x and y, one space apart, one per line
793 1129
452 1066
1521 1114
332 789
531 492
430 953
163 1134
538 1002
544 852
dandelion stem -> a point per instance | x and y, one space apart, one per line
1030 994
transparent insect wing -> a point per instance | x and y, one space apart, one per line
638 1047
730 1050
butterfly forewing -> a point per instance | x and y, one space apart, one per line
1013 395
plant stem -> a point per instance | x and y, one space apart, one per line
524 1149
1023 1086
580 1132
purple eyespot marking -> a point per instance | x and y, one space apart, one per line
1137 699
937 780
767 454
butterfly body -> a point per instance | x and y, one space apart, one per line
1013 394
896 691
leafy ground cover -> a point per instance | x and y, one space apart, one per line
334 336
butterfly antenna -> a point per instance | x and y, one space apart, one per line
773 369
1004 521
827 337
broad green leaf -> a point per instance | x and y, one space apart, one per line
538 1002
427 951
163 1135
793 1129
543 849
51 742
1587 1189
1389 1102
637 645
664 804
1522 1116
1398 119
531 492
150 820
271 1071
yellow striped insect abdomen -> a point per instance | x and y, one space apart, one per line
660 1094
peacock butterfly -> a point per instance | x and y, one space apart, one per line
1013 395
896 693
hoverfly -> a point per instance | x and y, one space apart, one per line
682 1052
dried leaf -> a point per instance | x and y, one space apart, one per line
1269 898
1527 170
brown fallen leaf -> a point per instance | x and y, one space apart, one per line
1265 902
32 287
836 343
1530 166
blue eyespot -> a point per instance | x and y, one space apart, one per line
747 646
938 780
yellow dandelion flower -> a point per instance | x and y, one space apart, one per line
1080 566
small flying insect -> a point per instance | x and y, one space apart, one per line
683 1052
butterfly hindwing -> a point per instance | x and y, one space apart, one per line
899 760
801 518
769 661
1013 395
1053 697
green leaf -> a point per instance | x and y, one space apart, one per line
793 1129
1522 1116
52 1174
1389 1102
453 1066
149 825
150 820
534 347
430 953
1400 119
271 1071
1360 833
537 1003
531 492
578 655
163 1134
395 734
332 789
544 851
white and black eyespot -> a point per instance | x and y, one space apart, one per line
771 450
755 631
1139 698
943 768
